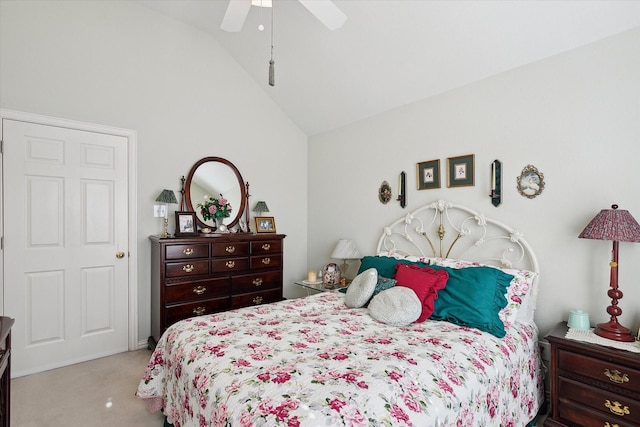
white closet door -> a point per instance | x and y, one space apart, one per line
65 244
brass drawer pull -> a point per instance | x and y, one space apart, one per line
606 424
257 282
187 251
616 376
199 311
266 261
266 247
257 300
199 290
187 268
230 249
616 408
230 264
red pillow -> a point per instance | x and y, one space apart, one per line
425 282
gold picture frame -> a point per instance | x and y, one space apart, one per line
265 224
428 174
460 171
530 182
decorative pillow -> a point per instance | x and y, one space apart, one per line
361 288
520 307
397 306
386 266
473 297
425 282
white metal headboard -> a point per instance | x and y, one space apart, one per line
446 230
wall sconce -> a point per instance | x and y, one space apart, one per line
166 197
496 183
402 190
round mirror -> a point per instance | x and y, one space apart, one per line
215 176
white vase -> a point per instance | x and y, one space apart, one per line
220 227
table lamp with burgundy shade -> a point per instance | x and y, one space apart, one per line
616 225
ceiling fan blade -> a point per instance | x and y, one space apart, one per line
327 12
235 16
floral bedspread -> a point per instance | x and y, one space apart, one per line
315 362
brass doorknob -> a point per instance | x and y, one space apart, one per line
119 254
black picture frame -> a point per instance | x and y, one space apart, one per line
428 174
186 224
460 171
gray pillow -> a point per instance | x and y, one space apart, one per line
361 288
397 306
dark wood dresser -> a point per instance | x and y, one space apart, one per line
5 370
592 385
203 275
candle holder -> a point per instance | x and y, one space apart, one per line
496 183
402 190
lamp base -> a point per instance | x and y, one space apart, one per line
614 331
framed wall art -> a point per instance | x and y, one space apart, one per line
460 171
428 174
265 224
186 224
530 182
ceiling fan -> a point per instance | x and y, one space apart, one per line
325 10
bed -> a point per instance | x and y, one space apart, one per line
317 361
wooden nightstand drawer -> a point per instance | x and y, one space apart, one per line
613 405
585 417
187 251
256 298
235 249
266 248
199 290
256 282
600 370
187 268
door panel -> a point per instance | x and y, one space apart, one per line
68 216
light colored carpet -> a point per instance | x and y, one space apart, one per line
95 393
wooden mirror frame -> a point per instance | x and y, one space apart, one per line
239 210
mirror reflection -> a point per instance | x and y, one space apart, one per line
213 176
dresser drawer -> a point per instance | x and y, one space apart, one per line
583 416
613 405
227 265
178 312
600 370
186 251
256 282
197 290
256 298
187 268
266 261
266 247
235 249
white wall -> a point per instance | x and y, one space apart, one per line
119 64
576 117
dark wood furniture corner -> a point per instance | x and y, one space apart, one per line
592 385
5 370
203 275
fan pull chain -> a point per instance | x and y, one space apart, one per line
272 81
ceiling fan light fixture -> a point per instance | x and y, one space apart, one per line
262 3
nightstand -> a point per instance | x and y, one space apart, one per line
318 287
592 385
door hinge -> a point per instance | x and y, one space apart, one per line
1 146
1 243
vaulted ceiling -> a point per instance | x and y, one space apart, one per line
391 53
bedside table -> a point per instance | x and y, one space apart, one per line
318 287
592 385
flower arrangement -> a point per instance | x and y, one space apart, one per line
214 208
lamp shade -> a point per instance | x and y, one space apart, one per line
612 224
167 196
261 206
346 249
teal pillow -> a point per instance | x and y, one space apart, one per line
473 297
385 265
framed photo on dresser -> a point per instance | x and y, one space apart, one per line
186 224
265 224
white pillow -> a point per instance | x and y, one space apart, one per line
361 288
397 306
